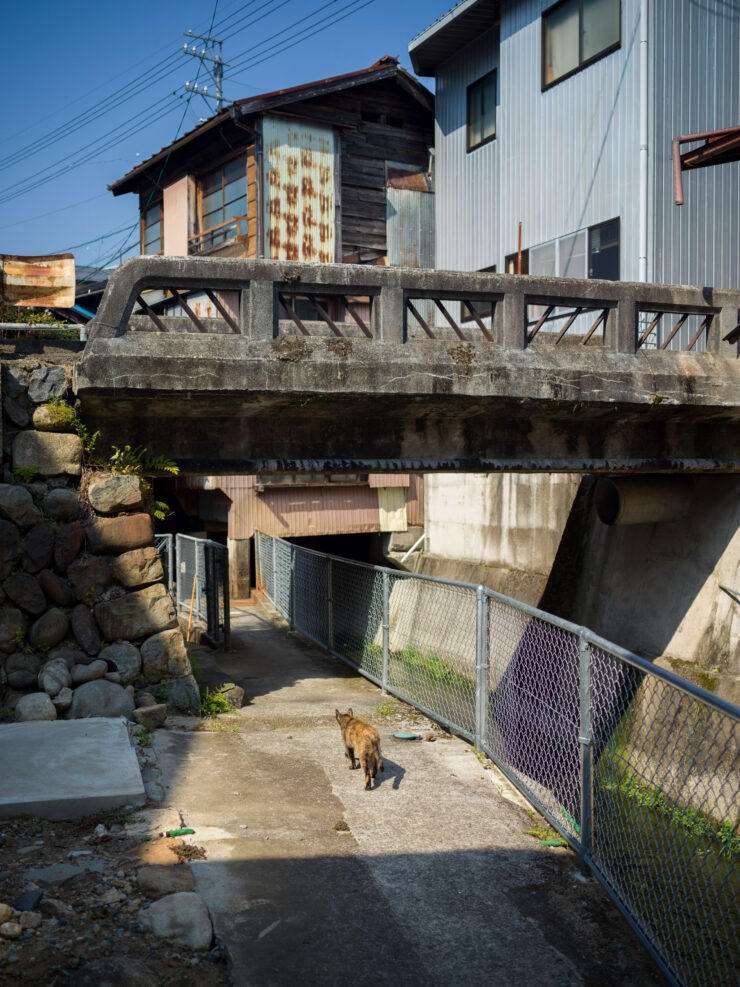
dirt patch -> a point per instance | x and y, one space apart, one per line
292 349
463 356
90 917
339 347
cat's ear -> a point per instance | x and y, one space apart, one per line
350 711
337 713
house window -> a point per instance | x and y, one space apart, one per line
576 33
483 309
603 251
151 230
223 201
482 111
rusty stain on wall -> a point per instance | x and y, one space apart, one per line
299 190
44 281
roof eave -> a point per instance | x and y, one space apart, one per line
450 33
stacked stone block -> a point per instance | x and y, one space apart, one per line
87 626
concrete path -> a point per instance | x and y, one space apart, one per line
435 880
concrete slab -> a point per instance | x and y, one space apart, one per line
433 880
63 769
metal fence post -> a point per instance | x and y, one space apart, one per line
585 740
386 629
291 597
330 604
273 595
481 668
224 575
178 572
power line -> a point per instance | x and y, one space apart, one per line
124 247
304 36
107 104
27 184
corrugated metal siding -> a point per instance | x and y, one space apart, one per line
562 160
299 190
388 479
695 88
410 227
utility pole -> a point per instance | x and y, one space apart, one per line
209 51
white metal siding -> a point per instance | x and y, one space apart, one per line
696 88
562 160
410 227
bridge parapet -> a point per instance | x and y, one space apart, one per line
234 366
409 305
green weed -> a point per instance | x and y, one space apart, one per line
214 704
25 474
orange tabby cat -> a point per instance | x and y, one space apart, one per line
361 739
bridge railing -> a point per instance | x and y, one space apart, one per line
637 769
261 300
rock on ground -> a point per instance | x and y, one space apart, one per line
38 547
125 657
157 881
182 917
164 656
62 505
100 698
151 717
35 706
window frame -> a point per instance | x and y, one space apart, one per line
596 226
491 137
610 49
143 228
203 175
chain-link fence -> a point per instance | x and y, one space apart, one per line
202 586
165 545
638 769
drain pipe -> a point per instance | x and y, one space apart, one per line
644 91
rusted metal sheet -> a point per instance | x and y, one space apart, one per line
295 511
37 281
388 479
299 193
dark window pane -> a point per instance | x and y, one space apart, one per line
603 249
561 40
235 169
151 216
482 110
600 27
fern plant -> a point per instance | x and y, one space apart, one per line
136 460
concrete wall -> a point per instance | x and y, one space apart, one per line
655 588
499 529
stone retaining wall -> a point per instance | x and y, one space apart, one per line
87 626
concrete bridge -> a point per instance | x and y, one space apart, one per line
407 369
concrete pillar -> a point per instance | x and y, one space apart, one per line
258 311
239 568
723 324
389 315
511 321
624 340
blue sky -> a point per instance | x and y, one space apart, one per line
88 92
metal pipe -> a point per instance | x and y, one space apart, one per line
413 548
585 741
386 629
643 499
644 93
677 176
